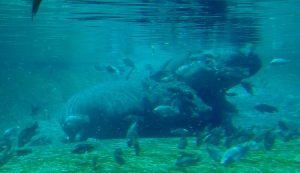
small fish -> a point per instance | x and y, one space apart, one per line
5 144
35 110
260 136
161 73
132 135
263 108
188 160
35 7
137 148
41 141
94 162
23 152
289 135
83 148
158 76
282 125
128 62
182 70
214 136
199 140
10 132
183 142
180 131
278 62
118 156
150 68
168 79
248 87
112 70
270 140
235 153
214 152
165 111
4 158
27 133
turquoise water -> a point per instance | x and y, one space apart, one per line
45 61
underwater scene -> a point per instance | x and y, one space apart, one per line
149 86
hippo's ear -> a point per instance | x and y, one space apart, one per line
147 105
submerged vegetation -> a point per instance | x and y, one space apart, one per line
157 155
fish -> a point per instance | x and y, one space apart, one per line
83 148
35 7
186 160
5 157
10 132
214 136
168 79
214 152
94 162
182 70
278 62
269 140
23 152
27 133
41 141
132 135
160 75
112 70
34 110
239 136
165 111
5 144
248 87
149 68
183 142
180 131
137 148
263 108
289 135
162 72
235 153
260 136
128 62
282 125
118 156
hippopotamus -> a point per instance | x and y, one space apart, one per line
100 111
198 93
105 105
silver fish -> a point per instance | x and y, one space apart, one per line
188 160
10 132
165 111
132 135
235 153
214 152
279 61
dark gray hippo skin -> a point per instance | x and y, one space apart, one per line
200 91
211 75
106 105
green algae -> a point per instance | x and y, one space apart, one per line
157 155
